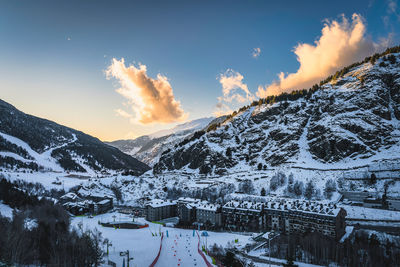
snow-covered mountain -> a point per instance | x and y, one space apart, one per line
148 148
351 119
32 143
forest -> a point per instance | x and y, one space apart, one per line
40 232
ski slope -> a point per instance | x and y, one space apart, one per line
179 247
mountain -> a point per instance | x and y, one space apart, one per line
148 148
33 143
350 119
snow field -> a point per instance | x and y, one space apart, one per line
180 247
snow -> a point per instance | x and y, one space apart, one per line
349 230
44 159
179 247
361 213
193 125
45 178
30 224
6 210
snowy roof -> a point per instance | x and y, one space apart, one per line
69 195
281 204
155 203
207 206
105 201
188 199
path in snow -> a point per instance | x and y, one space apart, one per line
44 159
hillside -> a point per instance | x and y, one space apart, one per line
148 148
29 142
350 120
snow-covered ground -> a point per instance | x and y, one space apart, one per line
44 159
179 247
361 213
5 210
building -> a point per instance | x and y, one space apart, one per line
79 206
207 213
243 215
186 210
359 196
158 209
285 215
373 202
191 210
393 203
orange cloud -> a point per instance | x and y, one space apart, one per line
152 100
341 44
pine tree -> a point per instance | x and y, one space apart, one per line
263 192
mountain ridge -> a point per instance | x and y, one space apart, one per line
352 116
39 144
148 148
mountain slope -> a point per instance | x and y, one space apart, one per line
30 142
148 148
349 121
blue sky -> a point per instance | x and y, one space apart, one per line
54 54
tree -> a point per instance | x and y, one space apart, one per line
263 192
291 179
298 188
259 166
330 187
246 187
309 190
117 192
228 152
372 179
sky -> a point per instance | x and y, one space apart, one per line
122 69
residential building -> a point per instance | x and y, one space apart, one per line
209 213
158 209
285 215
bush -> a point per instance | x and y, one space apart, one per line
330 187
263 192
279 179
246 187
309 190
298 188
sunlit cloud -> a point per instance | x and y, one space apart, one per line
341 43
151 100
256 52
234 92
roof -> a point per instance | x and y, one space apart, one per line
155 203
283 204
105 201
208 206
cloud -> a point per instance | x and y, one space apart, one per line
340 44
232 85
234 91
152 100
256 52
392 9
